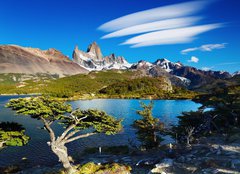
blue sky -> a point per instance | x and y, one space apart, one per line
209 33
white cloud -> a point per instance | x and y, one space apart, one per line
172 36
155 14
193 59
154 26
172 24
207 47
167 41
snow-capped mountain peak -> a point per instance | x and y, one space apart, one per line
167 65
94 60
142 65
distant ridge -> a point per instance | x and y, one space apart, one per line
17 59
26 60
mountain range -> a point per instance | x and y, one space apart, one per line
17 59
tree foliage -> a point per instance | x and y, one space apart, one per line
38 107
144 85
100 121
148 127
226 107
12 134
115 168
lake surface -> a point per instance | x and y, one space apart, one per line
37 151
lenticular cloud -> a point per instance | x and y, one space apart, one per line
166 35
154 26
160 13
173 24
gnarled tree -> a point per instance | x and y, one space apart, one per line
49 110
12 134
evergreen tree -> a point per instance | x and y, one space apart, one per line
148 128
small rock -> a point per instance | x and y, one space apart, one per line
157 170
147 162
191 168
165 163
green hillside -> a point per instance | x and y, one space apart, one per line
103 84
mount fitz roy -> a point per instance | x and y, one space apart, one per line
94 60
17 59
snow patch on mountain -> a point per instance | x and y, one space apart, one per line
186 81
167 65
142 65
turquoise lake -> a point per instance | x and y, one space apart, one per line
37 152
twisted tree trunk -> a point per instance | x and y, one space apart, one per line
58 147
2 143
60 150
58 144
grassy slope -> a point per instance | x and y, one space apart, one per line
88 86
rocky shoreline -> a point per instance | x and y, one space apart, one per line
218 154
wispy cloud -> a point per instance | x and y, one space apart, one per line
193 59
179 35
155 14
207 47
154 26
172 24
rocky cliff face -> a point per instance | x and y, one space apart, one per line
16 59
198 77
179 74
157 70
94 60
94 49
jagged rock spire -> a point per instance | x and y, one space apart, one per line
95 49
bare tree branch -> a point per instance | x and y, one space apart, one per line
71 126
50 122
80 136
66 131
71 134
75 117
49 129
